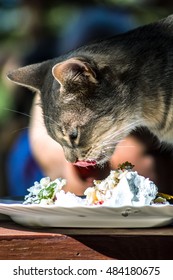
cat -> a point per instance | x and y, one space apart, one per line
94 96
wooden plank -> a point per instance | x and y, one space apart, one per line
57 248
18 242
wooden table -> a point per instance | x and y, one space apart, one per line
18 242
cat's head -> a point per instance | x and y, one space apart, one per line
84 105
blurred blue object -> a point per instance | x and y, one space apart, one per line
22 169
92 23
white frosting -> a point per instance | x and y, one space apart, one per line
118 189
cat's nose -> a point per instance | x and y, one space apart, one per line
73 134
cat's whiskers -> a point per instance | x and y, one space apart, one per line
118 132
23 114
114 144
100 150
17 130
106 145
119 146
52 120
29 115
18 112
111 140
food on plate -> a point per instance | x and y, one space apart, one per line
122 187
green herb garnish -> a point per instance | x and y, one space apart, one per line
47 192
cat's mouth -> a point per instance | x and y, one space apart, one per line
85 163
91 162
92 172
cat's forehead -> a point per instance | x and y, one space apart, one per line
71 103
76 114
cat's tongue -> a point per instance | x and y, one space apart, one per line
86 163
89 171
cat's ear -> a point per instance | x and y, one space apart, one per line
31 76
74 70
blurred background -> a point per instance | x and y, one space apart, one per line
35 30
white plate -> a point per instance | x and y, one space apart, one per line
89 217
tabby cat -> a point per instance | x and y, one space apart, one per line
94 96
